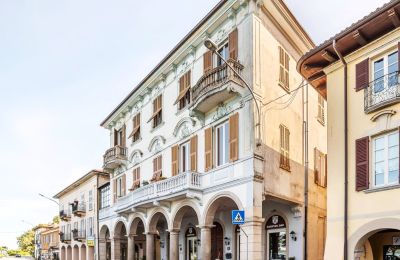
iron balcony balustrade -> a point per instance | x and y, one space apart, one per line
78 208
382 92
115 156
179 186
79 235
65 237
65 215
216 86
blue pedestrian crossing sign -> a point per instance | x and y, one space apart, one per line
237 217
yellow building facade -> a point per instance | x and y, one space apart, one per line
357 70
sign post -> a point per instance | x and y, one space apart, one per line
238 218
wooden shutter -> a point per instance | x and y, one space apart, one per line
208 155
233 44
123 185
193 153
115 137
123 136
362 74
362 163
160 165
114 190
207 61
175 159
234 137
317 166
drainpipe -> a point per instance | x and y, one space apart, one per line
346 174
97 219
306 165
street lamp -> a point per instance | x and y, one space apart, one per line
41 195
213 47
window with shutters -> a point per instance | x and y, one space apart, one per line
320 176
135 135
224 52
184 157
321 109
386 65
157 111
184 91
90 227
222 143
157 168
90 200
105 197
121 186
283 69
83 226
386 159
119 137
136 178
284 148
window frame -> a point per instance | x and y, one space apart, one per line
284 65
225 148
90 200
183 145
321 109
105 197
284 147
385 161
157 119
223 46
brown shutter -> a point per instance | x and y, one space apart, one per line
154 166
362 163
175 160
317 166
123 189
207 61
362 74
114 190
208 155
123 141
233 44
160 165
233 137
193 153
115 137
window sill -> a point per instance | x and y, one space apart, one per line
159 126
137 141
382 188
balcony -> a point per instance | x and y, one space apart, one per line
65 237
65 215
114 157
78 208
216 86
79 235
179 186
382 92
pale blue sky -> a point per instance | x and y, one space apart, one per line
64 65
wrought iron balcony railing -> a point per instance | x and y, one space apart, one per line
382 92
65 237
79 234
78 208
114 156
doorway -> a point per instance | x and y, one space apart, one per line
191 244
217 242
276 238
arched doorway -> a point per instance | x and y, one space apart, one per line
104 244
380 244
276 238
90 252
185 220
120 241
83 252
75 252
69 253
137 231
158 227
62 253
218 218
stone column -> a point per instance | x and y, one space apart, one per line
131 247
205 243
150 250
115 249
174 245
251 246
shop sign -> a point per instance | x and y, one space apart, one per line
90 241
275 222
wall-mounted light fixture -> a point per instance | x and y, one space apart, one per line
293 235
227 241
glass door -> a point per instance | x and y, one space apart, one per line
276 240
191 247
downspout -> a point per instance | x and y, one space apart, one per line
346 174
306 165
97 219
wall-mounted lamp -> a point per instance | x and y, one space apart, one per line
198 242
293 235
162 243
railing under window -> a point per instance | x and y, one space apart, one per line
382 92
214 78
64 237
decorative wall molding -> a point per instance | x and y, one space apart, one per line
184 127
136 156
156 144
387 112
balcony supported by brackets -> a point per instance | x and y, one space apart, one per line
216 86
115 157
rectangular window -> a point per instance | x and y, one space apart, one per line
386 159
89 230
157 168
136 128
136 178
83 226
284 147
283 69
105 197
184 157
184 91
321 109
224 52
119 187
222 143
319 168
119 136
90 200
157 111
387 65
